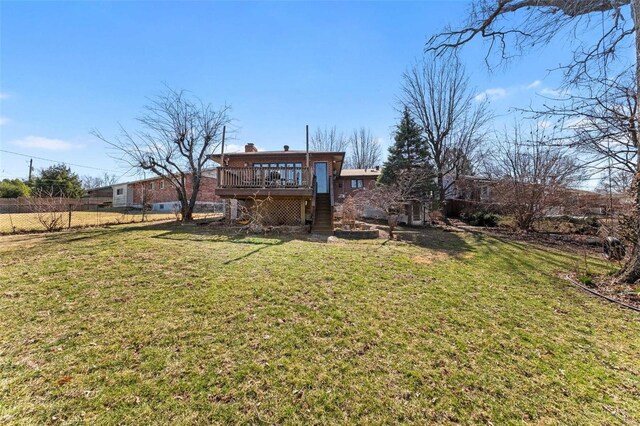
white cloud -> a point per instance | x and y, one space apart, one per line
44 143
4 95
534 84
232 147
554 93
4 120
491 94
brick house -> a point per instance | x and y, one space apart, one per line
160 195
291 187
351 180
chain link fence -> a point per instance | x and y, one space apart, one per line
53 214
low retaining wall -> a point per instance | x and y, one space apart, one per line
368 234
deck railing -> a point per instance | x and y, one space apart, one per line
264 177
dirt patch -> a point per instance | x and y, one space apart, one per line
625 293
12 242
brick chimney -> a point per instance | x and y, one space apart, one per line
250 148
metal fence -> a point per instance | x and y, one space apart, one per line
54 214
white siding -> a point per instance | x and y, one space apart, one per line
122 196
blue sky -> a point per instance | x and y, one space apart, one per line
67 68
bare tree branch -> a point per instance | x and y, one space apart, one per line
365 150
438 96
329 139
176 135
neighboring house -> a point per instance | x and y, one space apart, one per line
351 180
290 187
480 193
414 212
471 188
158 194
101 196
100 192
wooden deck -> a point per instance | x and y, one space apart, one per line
264 192
264 177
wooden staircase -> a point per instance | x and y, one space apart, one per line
323 222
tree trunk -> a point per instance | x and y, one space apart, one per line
442 197
631 271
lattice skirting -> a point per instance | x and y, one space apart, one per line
279 211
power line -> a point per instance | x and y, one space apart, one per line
59 162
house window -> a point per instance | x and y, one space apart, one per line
290 172
119 191
357 183
151 186
161 184
161 206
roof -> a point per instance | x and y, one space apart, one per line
275 153
156 177
361 172
98 188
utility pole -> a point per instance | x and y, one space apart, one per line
30 168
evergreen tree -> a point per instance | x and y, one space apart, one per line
408 154
57 181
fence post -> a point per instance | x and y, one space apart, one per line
70 208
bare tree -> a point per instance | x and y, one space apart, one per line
438 96
146 195
617 182
511 27
599 120
539 21
90 182
364 151
388 199
349 212
391 199
255 210
177 135
329 139
531 176
50 210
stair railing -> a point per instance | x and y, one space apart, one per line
314 185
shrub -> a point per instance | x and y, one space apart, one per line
480 218
349 211
14 188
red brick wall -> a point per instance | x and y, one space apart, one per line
342 185
168 194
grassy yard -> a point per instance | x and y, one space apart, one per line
162 324
10 222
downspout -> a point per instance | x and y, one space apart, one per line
221 168
307 129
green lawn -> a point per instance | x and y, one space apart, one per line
176 325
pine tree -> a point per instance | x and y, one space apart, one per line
408 153
57 181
